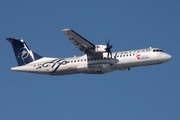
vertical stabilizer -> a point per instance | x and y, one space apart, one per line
22 53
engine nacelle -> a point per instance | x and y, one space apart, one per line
100 48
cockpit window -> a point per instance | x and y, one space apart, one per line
157 50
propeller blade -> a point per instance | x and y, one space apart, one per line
108 48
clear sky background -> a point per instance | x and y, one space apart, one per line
144 93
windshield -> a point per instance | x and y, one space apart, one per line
157 50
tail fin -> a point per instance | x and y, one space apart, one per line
23 54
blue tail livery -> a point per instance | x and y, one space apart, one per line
22 53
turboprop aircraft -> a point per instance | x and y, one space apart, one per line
98 59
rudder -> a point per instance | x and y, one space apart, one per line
22 53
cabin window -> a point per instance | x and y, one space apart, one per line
71 61
84 59
123 55
78 60
74 60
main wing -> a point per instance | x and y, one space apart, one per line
80 42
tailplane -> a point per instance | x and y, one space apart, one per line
22 53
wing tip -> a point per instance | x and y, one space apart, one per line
67 29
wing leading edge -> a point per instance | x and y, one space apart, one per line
81 43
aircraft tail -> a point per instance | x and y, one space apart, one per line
22 53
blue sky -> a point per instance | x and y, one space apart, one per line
151 92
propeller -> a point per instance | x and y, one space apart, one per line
108 48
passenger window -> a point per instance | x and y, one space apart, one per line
74 60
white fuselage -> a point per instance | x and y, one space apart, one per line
97 64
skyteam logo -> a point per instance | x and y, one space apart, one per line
23 53
142 57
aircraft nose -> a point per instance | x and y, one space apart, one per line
168 57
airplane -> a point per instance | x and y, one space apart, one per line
98 59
